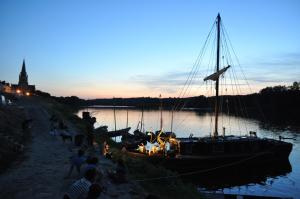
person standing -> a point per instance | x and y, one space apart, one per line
77 161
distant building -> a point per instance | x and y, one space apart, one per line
23 87
5 87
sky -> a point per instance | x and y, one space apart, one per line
132 48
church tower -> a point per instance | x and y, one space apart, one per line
23 77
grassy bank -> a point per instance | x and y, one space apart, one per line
156 180
12 135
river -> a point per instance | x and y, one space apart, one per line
283 183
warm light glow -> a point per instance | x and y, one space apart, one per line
18 91
27 93
142 148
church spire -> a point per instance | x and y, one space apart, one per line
23 77
23 71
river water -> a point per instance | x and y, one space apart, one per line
282 182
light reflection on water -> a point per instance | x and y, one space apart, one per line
187 122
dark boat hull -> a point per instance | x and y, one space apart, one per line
212 163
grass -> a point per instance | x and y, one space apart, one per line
142 171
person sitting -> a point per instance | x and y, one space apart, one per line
106 151
77 161
119 176
80 188
92 163
94 191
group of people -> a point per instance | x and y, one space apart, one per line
87 167
88 186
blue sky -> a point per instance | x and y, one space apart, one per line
130 48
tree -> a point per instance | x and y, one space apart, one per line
295 86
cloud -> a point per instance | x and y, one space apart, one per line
267 71
169 82
274 78
284 60
280 68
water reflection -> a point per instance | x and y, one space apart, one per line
278 180
237 176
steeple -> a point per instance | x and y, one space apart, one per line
23 77
23 71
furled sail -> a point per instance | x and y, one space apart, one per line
216 75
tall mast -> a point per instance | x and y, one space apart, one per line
217 80
115 120
142 120
161 118
127 119
172 119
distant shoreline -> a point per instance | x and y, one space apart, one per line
139 108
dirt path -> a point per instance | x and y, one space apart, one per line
41 174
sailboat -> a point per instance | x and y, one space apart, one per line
102 130
218 151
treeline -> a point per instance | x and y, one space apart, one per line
276 104
280 103
72 101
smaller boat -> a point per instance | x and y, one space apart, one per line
103 131
119 132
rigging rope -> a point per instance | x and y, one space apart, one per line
243 73
185 91
193 71
237 101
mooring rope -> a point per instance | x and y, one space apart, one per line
201 171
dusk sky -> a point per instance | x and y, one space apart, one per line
131 48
